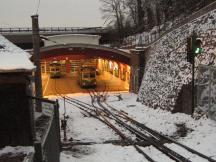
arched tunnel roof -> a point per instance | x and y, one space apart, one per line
78 51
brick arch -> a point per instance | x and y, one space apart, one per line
84 51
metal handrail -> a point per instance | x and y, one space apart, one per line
52 29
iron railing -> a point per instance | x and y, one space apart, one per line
54 29
47 141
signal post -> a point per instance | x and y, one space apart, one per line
193 49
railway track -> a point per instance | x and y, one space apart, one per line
103 114
100 115
102 111
155 138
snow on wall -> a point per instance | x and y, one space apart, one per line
12 57
167 69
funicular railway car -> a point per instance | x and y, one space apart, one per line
87 76
55 69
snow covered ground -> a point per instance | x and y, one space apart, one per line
16 153
197 134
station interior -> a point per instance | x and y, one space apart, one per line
110 76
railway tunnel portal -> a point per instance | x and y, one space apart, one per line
116 70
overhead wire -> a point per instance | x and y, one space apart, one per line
38 6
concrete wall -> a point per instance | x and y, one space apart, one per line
71 39
167 70
137 63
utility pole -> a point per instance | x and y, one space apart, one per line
36 56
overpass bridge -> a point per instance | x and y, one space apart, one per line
22 36
54 30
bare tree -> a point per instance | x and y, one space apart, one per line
136 12
129 16
132 7
140 12
113 12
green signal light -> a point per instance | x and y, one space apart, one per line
198 50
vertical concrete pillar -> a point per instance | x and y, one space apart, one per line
137 70
119 70
68 66
45 67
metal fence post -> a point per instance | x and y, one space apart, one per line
198 99
56 113
38 157
210 82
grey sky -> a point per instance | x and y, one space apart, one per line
75 13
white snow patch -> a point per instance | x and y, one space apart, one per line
18 149
12 57
201 138
106 153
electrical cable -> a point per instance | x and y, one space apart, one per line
38 6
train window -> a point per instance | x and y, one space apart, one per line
85 75
92 75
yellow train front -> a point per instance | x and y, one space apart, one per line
87 76
55 71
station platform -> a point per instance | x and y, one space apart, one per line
68 84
